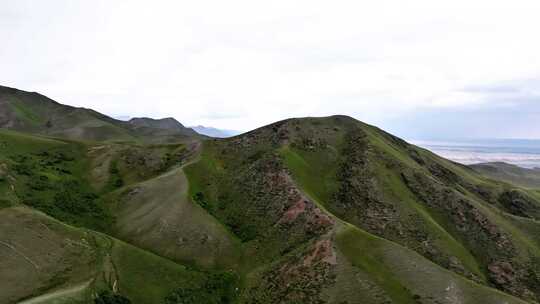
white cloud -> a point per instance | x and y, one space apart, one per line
240 64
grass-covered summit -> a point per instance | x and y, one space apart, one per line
307 210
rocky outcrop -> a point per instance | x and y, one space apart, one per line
298 278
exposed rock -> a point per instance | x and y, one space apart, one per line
299 278
505 277
322 252
501 273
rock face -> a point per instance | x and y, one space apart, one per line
299 278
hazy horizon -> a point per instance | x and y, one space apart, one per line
417 69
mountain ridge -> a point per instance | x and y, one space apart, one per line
304 210
35 113
524 177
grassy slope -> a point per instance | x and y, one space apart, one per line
233 204
367 251
200 172
314 170
68 179
114 165
37 114
202 176
385 148
37 253
33 111
522 235
527 178
145 277
50 175
159 216
519 229
49 258
211 179
409 278
397 190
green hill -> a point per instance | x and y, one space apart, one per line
308 210
331 206
34 113
46 261
528 178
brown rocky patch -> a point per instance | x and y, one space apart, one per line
299 278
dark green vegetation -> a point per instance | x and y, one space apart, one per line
107 297
53 182
312 210
217 288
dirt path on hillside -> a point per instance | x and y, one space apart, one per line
65 295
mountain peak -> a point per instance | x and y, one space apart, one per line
160 123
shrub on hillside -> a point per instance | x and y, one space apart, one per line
218 288
106 297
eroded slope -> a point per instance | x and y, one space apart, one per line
287 189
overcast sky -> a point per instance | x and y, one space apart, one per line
420 69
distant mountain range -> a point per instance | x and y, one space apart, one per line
305 210
208 131
214 132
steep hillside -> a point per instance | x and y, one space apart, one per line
157 215
69 180
528 178
55 255
34 113
331 206
311 210
46 261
